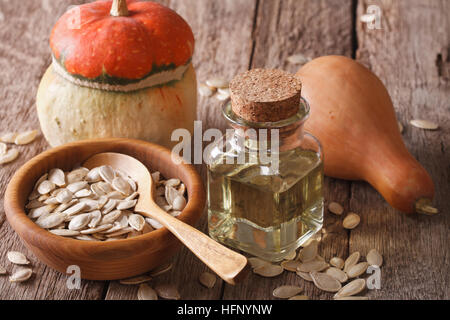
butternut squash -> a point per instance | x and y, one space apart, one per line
353 116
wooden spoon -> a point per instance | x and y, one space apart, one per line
229 265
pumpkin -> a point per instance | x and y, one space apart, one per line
120 69
353 116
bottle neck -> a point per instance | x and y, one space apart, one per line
284 135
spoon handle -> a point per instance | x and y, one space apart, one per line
227 264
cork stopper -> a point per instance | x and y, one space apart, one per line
264 95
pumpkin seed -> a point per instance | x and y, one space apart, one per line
17 257
21 275
79 222
145 292
305 276
217 83
38 212
154 223
85 237
77 208
325 282
97 229
57 176
351 289
290 265
65 232
302 297
126 204
424 124
311 266
174 182
120 232
337 262
335 208
337 274
64 196
351 221
77 175
34 204
77 186
257 262
357 269
286 292
367 18
137 222
161 269
374 258
9 137
2 270
136 280
179 203
156 176
298 59
309 252
207 279
205 91
122 186
3 148
46 187
25 137
107 174
83 193
51 221
222 97
167 291
353 298
269 270
351 260
93 175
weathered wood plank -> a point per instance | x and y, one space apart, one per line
24 55
223 47
410 54
312 28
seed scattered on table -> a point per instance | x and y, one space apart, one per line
167 291
337 262
351 260
17 258
21 275
357 269
424 124
351 221
25 137
145 292
9 137
9 156
302 297
374 258
136 280
269 270
351 289
335 208
286 292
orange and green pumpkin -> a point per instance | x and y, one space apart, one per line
120 69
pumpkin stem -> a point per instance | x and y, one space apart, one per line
119 8
423 206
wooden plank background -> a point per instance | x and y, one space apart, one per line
410 53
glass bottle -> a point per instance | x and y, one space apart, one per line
264 184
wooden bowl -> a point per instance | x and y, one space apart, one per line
101 260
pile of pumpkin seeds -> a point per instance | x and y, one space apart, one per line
351 220
23 273
9 155
215 85
98 204
338 276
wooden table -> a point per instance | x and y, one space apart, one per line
411 54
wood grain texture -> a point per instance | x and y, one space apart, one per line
409 54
